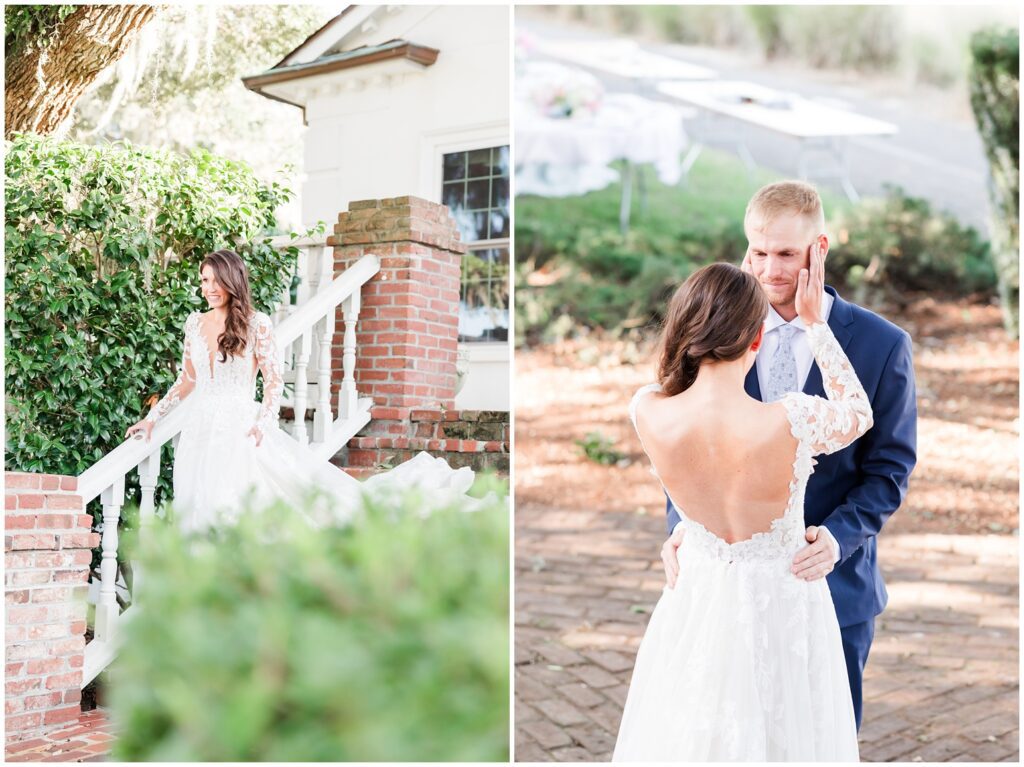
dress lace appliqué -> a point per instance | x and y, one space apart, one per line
203 371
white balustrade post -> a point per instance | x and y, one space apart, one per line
107 610
149 473
302 387
323 419
347 394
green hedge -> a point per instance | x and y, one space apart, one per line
103 245
386 640
885 247
572 272
995 99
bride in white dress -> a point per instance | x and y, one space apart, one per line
742 660
231 447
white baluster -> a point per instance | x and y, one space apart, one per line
107 611
323 419
305 344
347 394
149 473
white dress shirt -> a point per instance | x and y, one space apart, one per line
804 360
801 349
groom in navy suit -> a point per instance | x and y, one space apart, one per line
852 492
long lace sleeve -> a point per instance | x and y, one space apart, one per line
265 349
831 424
186 380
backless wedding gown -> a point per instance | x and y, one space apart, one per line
217 465
742 660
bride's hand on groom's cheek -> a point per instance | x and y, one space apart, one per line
817 559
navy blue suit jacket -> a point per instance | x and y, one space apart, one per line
853 492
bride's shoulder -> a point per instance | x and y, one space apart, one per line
260 320
651 388
641 393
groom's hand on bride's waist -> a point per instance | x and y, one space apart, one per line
818 557
668 556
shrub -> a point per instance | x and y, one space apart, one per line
884 247
995 99
384 640
103 245
571 275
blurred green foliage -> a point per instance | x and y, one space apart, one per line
926 44
575 270
103 245
381 640
995 99
600 448
31 26
883 248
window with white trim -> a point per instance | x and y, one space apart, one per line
475 187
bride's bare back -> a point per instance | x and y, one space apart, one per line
726 462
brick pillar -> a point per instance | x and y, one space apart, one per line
47 550
407 336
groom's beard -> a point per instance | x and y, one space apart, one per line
780 295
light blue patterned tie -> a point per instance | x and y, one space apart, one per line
782 370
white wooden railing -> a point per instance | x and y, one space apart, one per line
303 332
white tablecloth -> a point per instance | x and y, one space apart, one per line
557 157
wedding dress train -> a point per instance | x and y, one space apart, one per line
218 465
742 660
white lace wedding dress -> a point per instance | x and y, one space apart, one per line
217 465
742 660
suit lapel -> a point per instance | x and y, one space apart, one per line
840 319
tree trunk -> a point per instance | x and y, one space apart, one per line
42 85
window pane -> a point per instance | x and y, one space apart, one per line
480 163
499 225
499 193
454 166
500 161
454 195
478 194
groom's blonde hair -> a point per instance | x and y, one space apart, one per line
793 197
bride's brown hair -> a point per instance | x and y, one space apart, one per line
233 278
713 316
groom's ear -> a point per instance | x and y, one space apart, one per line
823 244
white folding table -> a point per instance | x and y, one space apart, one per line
820 128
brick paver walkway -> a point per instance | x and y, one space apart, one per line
941 682
87 740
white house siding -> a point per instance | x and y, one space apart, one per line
380 130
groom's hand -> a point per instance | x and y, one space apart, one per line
817 559
668 556
745 266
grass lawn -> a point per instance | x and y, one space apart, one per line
712 199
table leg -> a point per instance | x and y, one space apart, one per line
844 170
641 187
627 191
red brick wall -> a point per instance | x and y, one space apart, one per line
474 438
47 550
407 334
